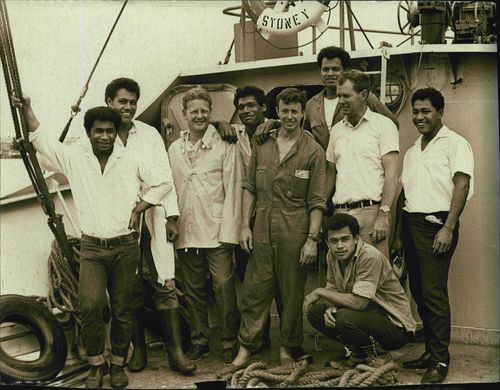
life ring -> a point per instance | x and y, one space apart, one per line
301 14
53 347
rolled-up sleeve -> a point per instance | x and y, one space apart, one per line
316 192
462 160
368 271
154 180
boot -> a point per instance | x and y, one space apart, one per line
139 357
376 356
171 330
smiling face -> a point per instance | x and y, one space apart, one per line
197 115
290 115
250 112
342 243
102 137
352 103
126 103
426 118
331 68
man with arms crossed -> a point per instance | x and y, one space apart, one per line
156 272
286 186
362 161
207 174
105 182
438 178
366 307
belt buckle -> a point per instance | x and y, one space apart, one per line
103 242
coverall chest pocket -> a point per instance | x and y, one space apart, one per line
260 177
300 184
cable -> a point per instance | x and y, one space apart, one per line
76 107
359 25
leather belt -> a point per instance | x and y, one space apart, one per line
357 205
113 241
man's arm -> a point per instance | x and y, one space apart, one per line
331 176
226 131
135 216
444 236
247 209
347 300
232 175
380 228
264 130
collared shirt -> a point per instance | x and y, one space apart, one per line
427 175
147 144
357 154
370 275
209 191
320 126
104 200
245 146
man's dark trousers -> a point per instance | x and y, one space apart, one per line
114 268
354 328
428 275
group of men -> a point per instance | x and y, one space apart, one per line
260 202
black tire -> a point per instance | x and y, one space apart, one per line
53 347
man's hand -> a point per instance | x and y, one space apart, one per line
380 228
16 102
309 300
329 317
135 219
308 252
265 129
246 239
172 229
226 131
442 240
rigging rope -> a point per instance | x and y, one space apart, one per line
75 109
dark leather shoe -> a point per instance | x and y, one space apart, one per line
436 373
94 380
118 377
422 362
298 353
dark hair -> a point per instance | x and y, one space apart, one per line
436 98
250 90
332 52
104 114
359 80
292 95
342 220
196 93
121 83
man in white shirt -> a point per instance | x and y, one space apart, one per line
208 175
105 181
437 178
157 266
362 161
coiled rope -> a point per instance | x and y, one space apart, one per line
297 375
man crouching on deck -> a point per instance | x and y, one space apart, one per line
105 182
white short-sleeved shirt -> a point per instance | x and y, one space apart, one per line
330 106
357 154
427 175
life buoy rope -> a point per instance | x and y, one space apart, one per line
300 15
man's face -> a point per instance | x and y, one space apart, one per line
331 68
351 102
102 136
126 103
290 115
197 114
342 243
425 117
250 112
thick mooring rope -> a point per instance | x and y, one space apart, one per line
63 286
297 375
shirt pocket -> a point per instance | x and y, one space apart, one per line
300 184
260 177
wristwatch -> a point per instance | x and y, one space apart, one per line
313 236
385 209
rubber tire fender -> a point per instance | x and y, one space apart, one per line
53 346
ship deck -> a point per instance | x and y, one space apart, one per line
470 364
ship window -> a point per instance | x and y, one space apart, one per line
394 92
